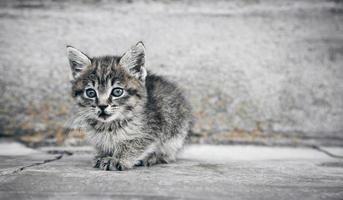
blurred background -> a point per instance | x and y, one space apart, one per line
266 72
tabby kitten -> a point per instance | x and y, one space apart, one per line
131 116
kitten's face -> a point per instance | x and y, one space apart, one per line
109 88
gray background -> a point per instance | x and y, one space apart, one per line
255 71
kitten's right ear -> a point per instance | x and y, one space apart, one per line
78 61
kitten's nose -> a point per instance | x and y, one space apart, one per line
103 107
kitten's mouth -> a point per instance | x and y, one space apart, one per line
104 115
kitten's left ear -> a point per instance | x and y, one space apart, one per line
134 61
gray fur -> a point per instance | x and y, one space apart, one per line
147 125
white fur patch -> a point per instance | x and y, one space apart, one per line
109 142
172 146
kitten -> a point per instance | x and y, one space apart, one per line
131 116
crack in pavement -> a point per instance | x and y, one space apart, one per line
315 147
58 157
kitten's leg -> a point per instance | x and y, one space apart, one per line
134 152
130 154
102 159
153 159
170 148
166 152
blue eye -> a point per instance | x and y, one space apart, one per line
117 92
90 93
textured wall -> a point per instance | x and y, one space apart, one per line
253 70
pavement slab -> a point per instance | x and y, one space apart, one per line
201 172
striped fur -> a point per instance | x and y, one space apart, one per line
145 126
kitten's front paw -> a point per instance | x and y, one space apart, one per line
96 161
110 164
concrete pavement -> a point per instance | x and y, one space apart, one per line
202 172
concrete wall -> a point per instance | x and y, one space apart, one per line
256 71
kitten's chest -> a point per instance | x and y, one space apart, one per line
110 141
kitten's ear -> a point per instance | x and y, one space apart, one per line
78 61
134 60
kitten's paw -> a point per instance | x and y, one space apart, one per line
150 161
96 161
153 159
121 166
105 163
110 164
